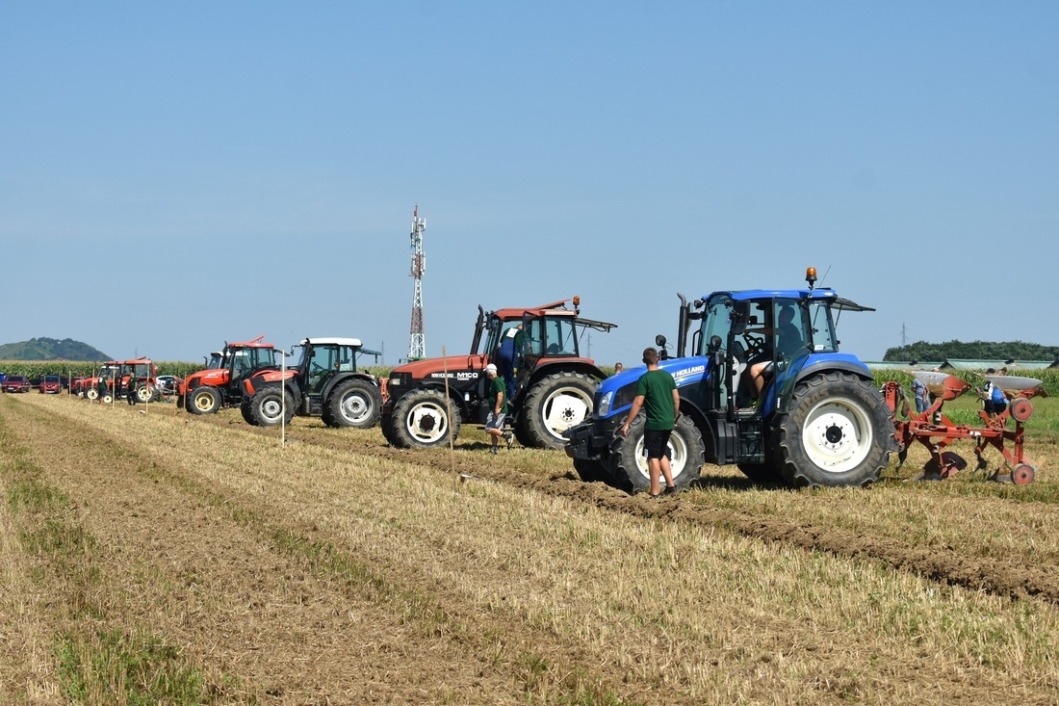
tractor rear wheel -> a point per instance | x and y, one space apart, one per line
204 400
92 394
271 405
147 393
629 458
248 417
421 419
353 403
837 431
553 405
590 471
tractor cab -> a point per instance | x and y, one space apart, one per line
324 359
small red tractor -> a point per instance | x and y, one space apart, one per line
935 431
325 383
108 372
141 377
115 378
221 384
554 384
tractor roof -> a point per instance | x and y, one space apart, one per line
333 341
256 343
819 293
556 308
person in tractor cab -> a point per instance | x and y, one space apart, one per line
788 341
507 355
494 423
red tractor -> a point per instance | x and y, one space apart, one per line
554 385
108 372
325 383
141 377
221 384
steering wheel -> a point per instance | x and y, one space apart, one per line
755 343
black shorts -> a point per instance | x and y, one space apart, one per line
656 443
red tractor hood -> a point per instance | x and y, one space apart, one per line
420 369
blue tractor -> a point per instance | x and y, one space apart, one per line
765 388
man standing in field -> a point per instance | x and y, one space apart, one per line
497 395
656 392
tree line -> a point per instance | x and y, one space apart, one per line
972 350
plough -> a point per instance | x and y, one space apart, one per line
935 431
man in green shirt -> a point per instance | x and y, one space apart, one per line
657 393
497 395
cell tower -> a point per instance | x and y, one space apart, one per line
417 346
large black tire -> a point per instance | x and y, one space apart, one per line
147 393
553 405
248 416
203 400
92 394
521 435
836 431
267 406
421 420
590 471
386 425
353 403
629 460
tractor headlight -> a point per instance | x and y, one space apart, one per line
603 408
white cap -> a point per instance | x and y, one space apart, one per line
490 368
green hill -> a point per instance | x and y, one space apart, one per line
50 349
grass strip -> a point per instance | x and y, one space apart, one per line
96 665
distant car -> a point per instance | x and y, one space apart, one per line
16 383
50 385
167 384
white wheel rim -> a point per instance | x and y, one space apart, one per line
428 422
271 408
678 455
837 435
355 407
565 408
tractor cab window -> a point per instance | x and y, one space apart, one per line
549 336
242 364
217 360
323 362
345 360
822 327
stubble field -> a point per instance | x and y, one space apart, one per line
160 558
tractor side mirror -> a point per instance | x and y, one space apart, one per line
660 341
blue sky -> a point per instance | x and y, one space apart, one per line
173 175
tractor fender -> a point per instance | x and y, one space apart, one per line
575 365
370 379
261 384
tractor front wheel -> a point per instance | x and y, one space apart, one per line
629 457
554 404
837 431
271 405
92 394
354 403
421 419
204 400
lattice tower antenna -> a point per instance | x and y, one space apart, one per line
417 342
